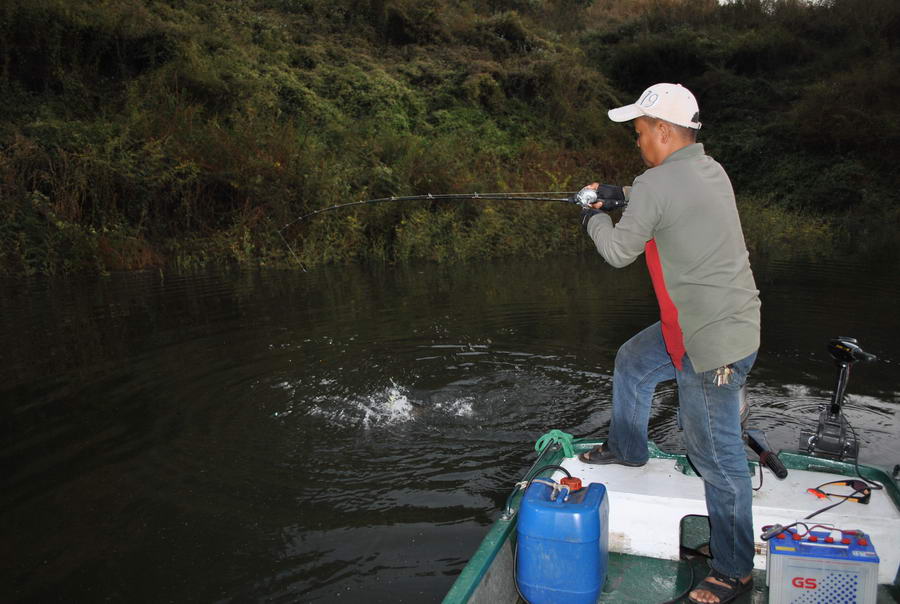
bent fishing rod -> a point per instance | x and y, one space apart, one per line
611 196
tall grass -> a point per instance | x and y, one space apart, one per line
140 133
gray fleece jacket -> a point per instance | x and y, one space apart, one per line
682 213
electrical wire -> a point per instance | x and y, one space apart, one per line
551 467
776 529
876 486
690 587
760 476
833 505
870 484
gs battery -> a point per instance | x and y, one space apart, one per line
834 567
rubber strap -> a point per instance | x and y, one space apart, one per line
556 436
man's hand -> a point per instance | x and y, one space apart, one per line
588 213
610 197
596 205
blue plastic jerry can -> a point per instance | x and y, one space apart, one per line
563 544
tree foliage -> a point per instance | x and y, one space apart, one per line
141 132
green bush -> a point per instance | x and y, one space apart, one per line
763 51
772 231
138 132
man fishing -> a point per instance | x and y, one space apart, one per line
681 215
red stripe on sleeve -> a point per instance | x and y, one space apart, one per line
668 312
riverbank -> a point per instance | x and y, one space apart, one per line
447 234
144 134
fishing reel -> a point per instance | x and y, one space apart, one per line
613 197
585 197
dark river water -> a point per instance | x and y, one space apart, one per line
348 434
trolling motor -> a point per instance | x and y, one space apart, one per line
833 438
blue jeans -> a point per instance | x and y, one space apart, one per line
710 419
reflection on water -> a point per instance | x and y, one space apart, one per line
349 433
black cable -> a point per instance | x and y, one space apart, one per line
533 476
516 573
770 530
549 467
806 529
690 586
544 451
760 477
872 484
834 505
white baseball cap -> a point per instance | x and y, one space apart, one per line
670 102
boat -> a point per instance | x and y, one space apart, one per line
818 514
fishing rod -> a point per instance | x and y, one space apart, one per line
611 197
538 196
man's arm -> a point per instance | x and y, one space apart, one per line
620 244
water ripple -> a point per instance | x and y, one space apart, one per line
283 437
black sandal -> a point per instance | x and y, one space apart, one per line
701 551
725 593
600 455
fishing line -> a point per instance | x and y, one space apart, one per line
555 196
611 196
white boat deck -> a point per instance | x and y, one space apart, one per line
646 506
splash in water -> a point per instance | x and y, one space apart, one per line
386 408
392 405
460 407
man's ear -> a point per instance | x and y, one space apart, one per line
664 132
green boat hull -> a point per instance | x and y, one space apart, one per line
489 577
